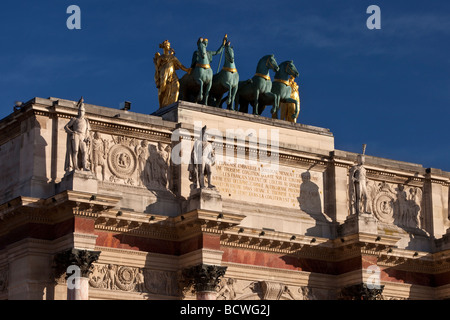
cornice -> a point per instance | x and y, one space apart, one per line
58 208
205 221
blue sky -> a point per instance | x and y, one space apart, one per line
388 88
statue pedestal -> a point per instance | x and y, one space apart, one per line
205 199
359 223
78 180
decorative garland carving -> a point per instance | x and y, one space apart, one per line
133 279
236 289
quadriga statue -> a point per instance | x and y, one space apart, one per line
195 86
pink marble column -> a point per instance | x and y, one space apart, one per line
77 265
206 295
81 290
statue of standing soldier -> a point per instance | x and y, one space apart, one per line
78 129
358 178
202 160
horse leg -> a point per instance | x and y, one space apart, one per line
230 96
276 102
255 108
233 91
294 115
218 101
222 101
237 107
208 88
200 93
275 115
243 106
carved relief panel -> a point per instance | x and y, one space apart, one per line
133 279
396 204
236 289
130 161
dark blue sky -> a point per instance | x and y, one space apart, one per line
388 88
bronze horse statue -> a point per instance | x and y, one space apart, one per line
281 89
249 92
226 80
195 86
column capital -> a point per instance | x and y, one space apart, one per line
361 292
84 259
203 277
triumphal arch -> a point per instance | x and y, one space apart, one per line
197 201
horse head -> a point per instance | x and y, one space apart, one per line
229 52
271 63
291 69
201 46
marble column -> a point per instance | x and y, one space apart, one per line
205 279
77 264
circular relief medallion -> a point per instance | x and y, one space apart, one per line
126 275
383 207
122 161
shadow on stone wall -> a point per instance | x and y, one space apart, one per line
310 202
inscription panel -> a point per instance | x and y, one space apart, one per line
287 187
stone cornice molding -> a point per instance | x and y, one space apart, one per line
276 242
242 116
143 225
56 209
168 228
204 221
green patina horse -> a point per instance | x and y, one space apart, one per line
249 91
281 89
195 86
226 80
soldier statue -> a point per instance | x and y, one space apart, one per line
202 160
359 185
77 129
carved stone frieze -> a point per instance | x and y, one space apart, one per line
237 289
396 204
133 279
99 150
130 161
